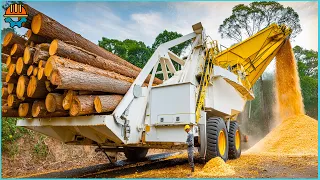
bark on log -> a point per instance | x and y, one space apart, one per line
92 93
35 71
78 80
47 27
9 112
21 68
5 50
17 50
3 76
62 49
30 70
31 13
40 55
106 103
12 79
43 46
36 38
11 60
11 88
4 84
25 110
22 85
55 62
28 55
4 93
4 57
12 38
82 105
36 88
54 102
39 110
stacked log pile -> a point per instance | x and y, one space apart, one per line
55 72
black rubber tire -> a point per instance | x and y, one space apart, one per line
214 126
234 153
135 153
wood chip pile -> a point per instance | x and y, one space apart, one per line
55 72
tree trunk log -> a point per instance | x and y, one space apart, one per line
12 79
11 60
17 50
47 27
36 38
11 88
25 110
55 62
21 68
36 88
28 55
40 55
82 105
12 38
54 102
78 80
9 112
62 49
4 57
106 103
3 76
31 13
39 110
6 49
4 93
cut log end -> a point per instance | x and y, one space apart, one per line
40 73
32 86
51 103
19 65
10 88
28 33
67 100
53 47
12 69
4 93
42 64
30 70
14 49
35 71
48 67
36 23
75 107
23 109
7 38
55 78
21 86
97 104
26 55
10 100
8 62
38 108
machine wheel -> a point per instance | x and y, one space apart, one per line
234 136
217 139
135 153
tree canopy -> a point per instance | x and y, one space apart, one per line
248 20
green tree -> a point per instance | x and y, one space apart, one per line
166 36
248 20
308 72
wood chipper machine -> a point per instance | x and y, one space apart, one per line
207 92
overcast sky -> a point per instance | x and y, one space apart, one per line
143 21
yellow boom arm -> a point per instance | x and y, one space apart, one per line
252 56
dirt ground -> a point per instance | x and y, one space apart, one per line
247 166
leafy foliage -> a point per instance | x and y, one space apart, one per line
248 20
308 73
